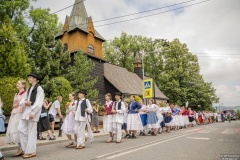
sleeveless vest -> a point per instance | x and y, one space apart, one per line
33 94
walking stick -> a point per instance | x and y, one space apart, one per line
60 130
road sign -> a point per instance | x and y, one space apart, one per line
147 88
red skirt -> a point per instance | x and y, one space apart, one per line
200 119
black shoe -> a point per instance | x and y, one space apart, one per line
140 133
149 132
127 136
143 134
133 136
2 158
153 134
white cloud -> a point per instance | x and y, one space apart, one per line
211 27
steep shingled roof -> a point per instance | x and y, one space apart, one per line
79 20
127 82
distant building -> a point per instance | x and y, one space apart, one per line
79 33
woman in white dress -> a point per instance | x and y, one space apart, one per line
12 135
69 121
107 119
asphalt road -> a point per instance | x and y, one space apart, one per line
206 142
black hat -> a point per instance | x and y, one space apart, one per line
82 91
118 93
34 75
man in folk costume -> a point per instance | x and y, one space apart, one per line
118 111
83 108
32 101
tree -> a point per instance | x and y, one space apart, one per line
13 59
82 75
121 51
176 70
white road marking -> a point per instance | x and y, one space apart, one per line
140 147
228 131
199 138
203 132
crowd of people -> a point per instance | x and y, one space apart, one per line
32 115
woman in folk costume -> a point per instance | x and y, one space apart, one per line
2 127
175 121
185 117
134 123
82 119
44 123
12 136
118 111
32 102
180 117
124 125
200 118
190 117
69 121
152 119
143 116
167 116
160 119
107 119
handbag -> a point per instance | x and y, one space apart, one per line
43 115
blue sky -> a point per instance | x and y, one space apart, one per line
211 30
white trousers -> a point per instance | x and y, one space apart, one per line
117 129
28 135
79 128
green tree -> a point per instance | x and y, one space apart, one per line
59 86
13 59
82 75
120 51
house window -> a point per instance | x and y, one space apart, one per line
90 49
65 47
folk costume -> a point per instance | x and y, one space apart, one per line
134 122
69 121
28 128
175 120
152 119
107 119
143 116
2 126
82 119
12 136
117 119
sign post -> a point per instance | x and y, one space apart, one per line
147 88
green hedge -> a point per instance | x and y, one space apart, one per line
7 91
58 86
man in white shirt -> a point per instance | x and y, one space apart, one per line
55 108
118 111
83 108
32 101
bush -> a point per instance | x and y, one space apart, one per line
7 91
58 86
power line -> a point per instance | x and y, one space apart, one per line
140 13
152 14
67 7
143 11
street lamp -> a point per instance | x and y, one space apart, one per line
153 66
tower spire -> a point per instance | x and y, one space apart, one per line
78 17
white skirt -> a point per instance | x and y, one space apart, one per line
12 135
134 122
160 117
107 124
180 120
174 121
186 120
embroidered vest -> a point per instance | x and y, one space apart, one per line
33 94
83 107
119 105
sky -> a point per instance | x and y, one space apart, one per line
211 30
